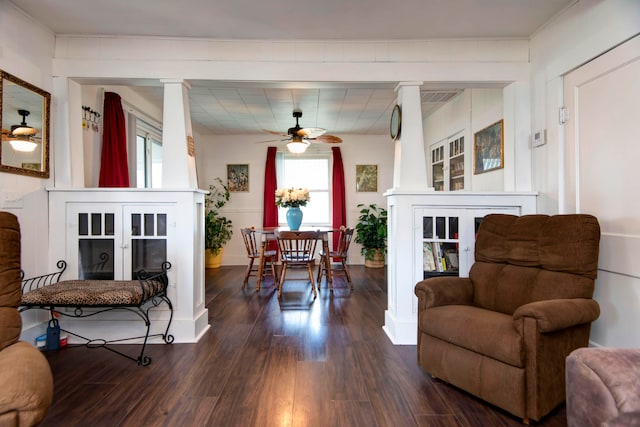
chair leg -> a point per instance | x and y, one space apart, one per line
346 272
320 270
313 285
248 273
274 273
281 281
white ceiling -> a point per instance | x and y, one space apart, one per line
219 108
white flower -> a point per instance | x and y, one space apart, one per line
292 197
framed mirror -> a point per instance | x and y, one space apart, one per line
24 114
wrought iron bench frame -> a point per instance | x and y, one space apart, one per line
148 301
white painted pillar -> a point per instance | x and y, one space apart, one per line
68 159
410 167
409 178
178 164
517 156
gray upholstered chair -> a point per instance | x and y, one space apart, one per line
603 387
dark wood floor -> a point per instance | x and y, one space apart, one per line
264 362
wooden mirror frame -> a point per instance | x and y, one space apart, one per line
45 108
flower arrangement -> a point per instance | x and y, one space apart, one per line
292 197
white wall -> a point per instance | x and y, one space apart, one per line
470 111
26 49
214 152
585 31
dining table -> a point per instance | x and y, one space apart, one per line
268 234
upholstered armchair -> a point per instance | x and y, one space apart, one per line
26 383
504 332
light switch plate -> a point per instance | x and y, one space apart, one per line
11 200
539 138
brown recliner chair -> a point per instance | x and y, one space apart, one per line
503 333
26 383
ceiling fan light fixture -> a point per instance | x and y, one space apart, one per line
23 128
22 144
297 146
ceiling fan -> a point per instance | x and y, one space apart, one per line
299 138
22 137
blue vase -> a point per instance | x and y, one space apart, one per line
294 218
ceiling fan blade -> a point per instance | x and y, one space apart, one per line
271 140
24 130
327 139
311 132
274 132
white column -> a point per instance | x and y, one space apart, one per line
409 178
410 167
178 166
68 159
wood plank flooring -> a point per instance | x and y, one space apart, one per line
264 362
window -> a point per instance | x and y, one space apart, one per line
310 171
148 156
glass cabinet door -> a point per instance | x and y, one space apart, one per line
456 164
148 230
93 242
437 168
440 244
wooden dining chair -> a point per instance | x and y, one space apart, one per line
297 249
253 253
340 254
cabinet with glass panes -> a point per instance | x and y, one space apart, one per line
447 238
440 244
116 242
448 164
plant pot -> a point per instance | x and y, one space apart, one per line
211 260
377 261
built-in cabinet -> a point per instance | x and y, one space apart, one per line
445 238
448 164
111 234
115 241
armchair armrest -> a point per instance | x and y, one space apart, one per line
438 291
557 314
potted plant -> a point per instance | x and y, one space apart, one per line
371 233
217 228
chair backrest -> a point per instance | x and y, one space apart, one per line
10 280
532 258
297 246
249 237
344 240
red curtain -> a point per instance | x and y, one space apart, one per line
270 215
338 194
114 169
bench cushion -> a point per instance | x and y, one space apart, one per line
94 293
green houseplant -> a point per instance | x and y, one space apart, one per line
371 233
217 228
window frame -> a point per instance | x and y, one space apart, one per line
281 157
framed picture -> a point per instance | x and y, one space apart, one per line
366 178
32 166
238 178
488 149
